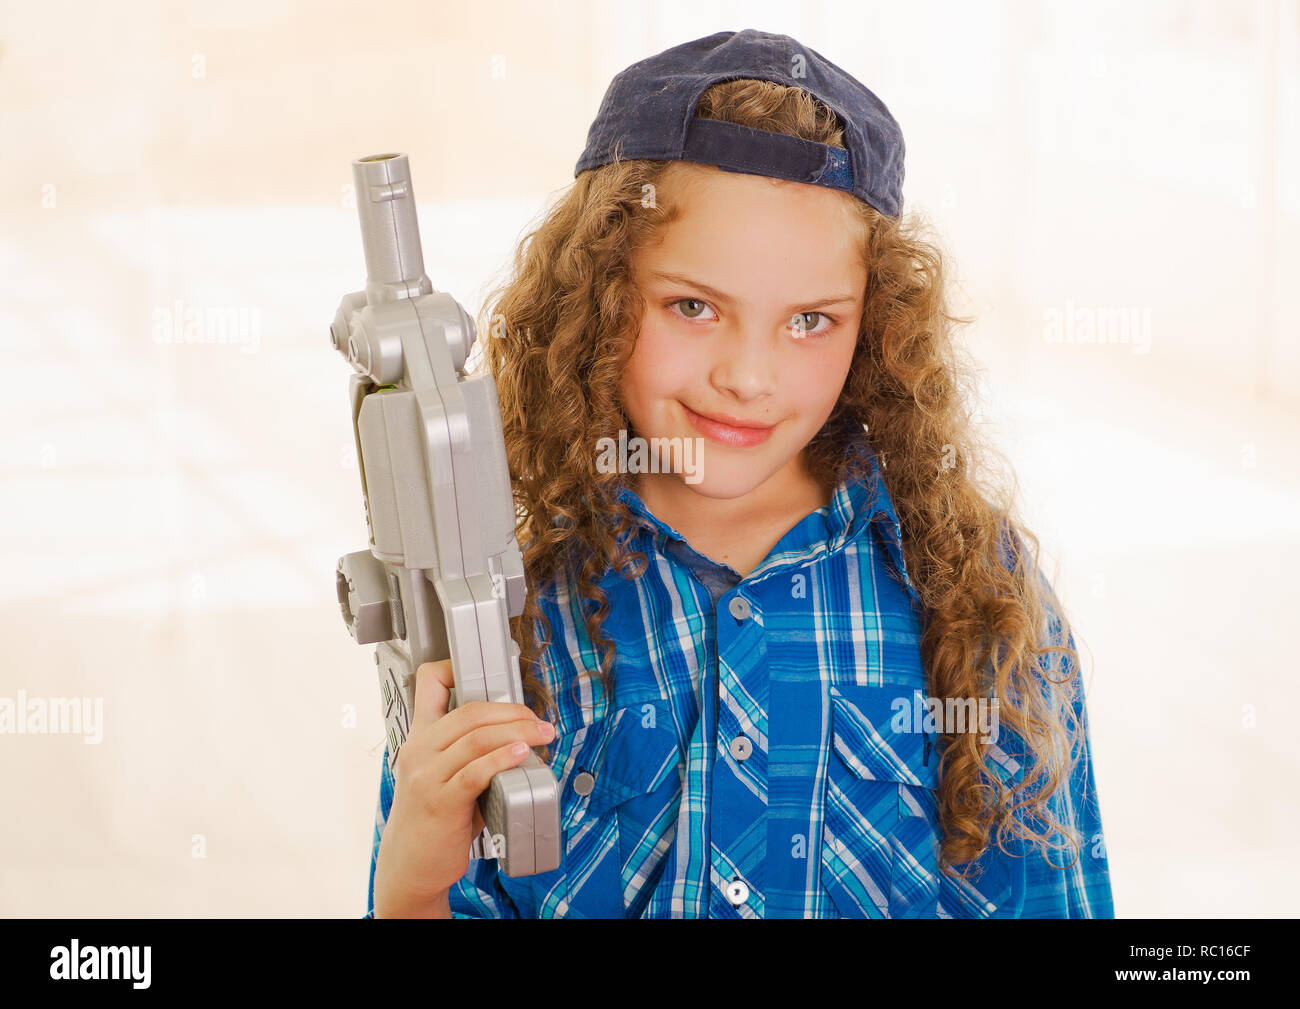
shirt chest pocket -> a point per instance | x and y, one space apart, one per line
618 810
879 850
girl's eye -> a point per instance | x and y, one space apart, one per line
804 324
694 312
801 326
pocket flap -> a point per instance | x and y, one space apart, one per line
877 733
629 753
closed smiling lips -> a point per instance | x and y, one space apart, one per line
728 430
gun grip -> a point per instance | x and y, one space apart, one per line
522 831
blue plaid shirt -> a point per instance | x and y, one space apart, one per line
750 764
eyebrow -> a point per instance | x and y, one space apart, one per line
726 299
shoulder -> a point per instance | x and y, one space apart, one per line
638 635
568 663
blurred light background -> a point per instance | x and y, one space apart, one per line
173 510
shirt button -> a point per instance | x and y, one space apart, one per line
739 607
741 747
737 892
584 783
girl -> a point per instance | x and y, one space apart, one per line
797 661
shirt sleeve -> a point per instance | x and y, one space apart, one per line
477 894
1059 889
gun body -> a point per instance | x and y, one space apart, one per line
443 573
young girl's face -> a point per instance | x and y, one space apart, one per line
753 301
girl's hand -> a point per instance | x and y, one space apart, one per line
446 763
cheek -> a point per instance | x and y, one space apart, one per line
815 383
660 366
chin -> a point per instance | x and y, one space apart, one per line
726 479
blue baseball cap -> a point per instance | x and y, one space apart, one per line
648 112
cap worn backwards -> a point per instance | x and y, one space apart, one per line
648 112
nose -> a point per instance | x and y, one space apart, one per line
746 365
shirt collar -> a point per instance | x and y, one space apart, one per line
854 507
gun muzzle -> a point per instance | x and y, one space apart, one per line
390 231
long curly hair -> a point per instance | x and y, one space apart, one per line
563 324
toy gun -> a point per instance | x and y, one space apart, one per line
443 573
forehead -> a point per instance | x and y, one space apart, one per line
752 232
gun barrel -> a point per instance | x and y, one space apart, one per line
390 230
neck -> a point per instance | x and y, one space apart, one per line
780 501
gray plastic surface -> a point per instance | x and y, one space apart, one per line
443 574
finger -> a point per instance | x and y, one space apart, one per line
473 779
433 683
485 739
474 715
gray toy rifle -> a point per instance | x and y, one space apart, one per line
443 573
